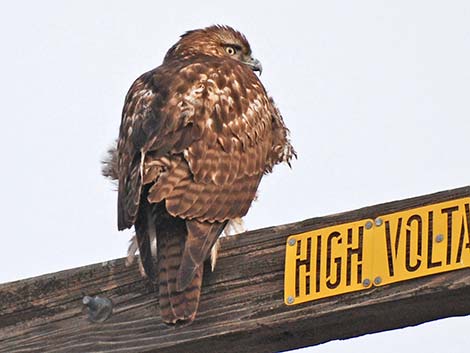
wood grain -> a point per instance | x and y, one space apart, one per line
242 305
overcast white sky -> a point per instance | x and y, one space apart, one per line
376 94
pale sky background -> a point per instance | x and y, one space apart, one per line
376 94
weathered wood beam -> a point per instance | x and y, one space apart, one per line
242 307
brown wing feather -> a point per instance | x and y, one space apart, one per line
129 154
144 225
151 121
226 143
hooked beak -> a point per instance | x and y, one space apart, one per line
254 64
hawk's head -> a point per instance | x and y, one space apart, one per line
220 41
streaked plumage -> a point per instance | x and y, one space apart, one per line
197 135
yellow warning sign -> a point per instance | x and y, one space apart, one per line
374 252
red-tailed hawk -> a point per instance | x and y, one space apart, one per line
197 135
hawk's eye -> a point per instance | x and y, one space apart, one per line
230 50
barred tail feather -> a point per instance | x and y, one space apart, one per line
176 305
201 238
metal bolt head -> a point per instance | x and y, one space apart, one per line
369 225
292 241
99 308
290 299
439 238
378 222
366 282
377 280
